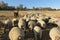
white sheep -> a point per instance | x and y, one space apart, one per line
53 20
19 31
31 24
41 23
28 19
21 23
57 22
55 33
7 21
26 16
15 21
16 34
37 32
33 18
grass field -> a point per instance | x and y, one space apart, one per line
47 13
22 13
10 14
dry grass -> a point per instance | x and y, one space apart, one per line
10 14
47 13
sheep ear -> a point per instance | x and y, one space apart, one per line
49 18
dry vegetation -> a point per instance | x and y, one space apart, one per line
10 14
47 13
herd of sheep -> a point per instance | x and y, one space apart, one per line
31 26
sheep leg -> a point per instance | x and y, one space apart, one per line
35 35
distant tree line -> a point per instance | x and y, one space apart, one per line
4 6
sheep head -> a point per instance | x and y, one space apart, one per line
21 23
31 24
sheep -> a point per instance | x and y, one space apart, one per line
37 32
46 19
33 18
32 14
52 22
55 33
22 24
15 22
28 19
16 33
40 18
25 17
8 24
57 22
41 23
1 24
30 32
31 24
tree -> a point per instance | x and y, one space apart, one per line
20 7
3 4
25 8
33 8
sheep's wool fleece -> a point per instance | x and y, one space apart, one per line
54 32
37 29
15 33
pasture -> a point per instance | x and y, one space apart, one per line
10 14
